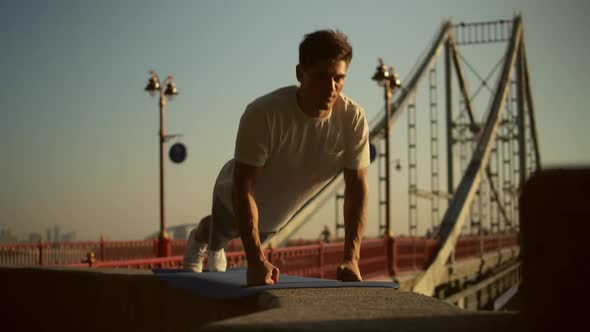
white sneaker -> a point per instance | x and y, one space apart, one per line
216 261
194 253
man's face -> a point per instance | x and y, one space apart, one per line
322 82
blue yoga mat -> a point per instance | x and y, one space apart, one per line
232 284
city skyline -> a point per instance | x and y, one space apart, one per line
53 234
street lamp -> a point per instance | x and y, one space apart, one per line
388 80
153 87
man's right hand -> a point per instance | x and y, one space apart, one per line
262 273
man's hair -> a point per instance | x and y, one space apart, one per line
324 45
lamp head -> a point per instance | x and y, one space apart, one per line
171 89
381 73
153 84
394 81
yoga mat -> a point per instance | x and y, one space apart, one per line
232 283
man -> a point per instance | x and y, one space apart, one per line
326 234
290 143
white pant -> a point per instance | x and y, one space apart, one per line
224 226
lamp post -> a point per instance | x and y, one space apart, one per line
389 81
153 87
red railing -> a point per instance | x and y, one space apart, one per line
413 253
47 253
473 245
321 260
60 253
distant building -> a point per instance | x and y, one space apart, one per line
68 237
34 237
56 234
6 236
180 233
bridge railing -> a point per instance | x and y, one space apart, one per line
411 254
45 253
321 260
474 245
59 253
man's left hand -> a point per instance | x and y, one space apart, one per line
348 271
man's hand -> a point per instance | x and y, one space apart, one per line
262 273
348 271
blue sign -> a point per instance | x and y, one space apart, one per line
373 151
177 153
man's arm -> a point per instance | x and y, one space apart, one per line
260 271
356 196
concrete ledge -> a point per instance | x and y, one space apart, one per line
364 309
58 299
64 299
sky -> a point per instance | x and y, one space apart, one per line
78 133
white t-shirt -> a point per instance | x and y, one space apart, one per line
299 154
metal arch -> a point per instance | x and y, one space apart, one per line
529 99
455 215
470 112
400 100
